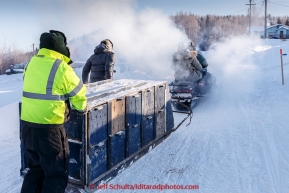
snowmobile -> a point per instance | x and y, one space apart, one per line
186 94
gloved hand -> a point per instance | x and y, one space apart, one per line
194 53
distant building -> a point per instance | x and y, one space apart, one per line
283 32
277 31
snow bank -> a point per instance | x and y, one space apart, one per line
9 121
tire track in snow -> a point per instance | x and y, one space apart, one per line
228 154
267 165
246 107
209 142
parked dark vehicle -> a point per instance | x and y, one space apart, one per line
16 68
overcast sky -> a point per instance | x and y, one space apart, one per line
22 21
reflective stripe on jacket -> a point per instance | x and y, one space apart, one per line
48 82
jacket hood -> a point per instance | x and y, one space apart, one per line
101 48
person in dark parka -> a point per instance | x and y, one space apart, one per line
101 64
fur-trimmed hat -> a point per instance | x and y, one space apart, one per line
54 40
192 46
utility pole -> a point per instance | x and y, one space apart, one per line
265 30
250 1
33 47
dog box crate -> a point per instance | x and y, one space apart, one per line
125 120
160 110
133 122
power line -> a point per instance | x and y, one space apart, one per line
238 11
261 2
279 4
246 9
260 9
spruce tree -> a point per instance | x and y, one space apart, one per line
279 20
287 21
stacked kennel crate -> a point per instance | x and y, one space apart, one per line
125 120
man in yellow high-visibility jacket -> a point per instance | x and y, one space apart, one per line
50 86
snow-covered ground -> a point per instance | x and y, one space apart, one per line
237 141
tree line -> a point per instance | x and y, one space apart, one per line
11 56
204 30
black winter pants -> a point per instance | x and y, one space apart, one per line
46 153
